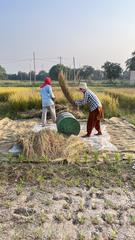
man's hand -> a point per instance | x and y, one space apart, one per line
76 103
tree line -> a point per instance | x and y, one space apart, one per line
109 71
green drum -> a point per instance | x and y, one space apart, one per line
67 124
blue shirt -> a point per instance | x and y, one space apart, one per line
47 95
91 99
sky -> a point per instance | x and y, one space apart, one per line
92 31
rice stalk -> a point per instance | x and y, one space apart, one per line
64 87
51 145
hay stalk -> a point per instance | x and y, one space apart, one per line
64 87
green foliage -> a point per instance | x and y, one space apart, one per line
130 63
2 73
4 96
132 220
81 220
81 236
125 98
86 72
54 71
112 70
40 76
108 217
95 220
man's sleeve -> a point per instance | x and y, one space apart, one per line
82 102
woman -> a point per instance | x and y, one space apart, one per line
95 109
47 100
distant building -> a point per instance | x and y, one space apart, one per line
132 77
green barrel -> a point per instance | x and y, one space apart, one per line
67 124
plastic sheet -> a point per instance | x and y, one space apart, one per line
38 127
133 167
101 143
15 150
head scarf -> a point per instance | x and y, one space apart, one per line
47 81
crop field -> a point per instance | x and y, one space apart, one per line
116 102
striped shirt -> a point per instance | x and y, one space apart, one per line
91 99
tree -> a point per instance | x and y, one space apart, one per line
126 75
3 74
23 76
98 75
13 76
112 70
87 72
130 63
31 75
53 73
40 76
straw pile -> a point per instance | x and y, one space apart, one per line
50 145
74 149
45 143
64 87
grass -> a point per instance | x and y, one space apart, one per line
81 236
59 218
108 218
81 206
125 97
132 220
95 220
110 204
81 220
100 175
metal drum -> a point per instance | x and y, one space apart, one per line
67 124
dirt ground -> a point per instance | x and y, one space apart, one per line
65 202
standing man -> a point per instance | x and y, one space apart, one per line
47 100
95 109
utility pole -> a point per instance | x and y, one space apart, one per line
21 76
60 60
30 72
74 69
34 65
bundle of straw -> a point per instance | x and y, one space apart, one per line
45 143
50 145
64 87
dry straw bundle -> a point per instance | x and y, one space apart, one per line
45 143
74 149
64 86
51 145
